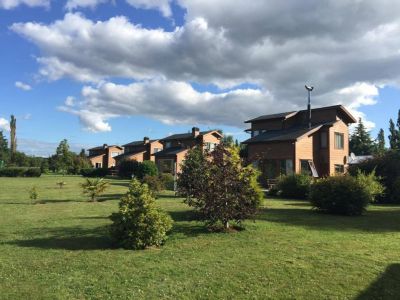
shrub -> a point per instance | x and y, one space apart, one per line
94 188
100 172
371 184
295 186
139 223
146 168
395 197
387 168
339 195
33 194
154 183
20 172
168 181
127 168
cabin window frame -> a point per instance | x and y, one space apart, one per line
339 143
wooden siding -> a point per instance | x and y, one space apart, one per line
278 150
338 156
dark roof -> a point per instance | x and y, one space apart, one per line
184 136
123 155
291 134
170 151
286 115
102 147
138 143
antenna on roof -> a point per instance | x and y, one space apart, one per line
309 90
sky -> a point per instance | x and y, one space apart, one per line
114 71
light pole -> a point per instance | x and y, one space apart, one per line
309 90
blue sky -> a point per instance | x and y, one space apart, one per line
151 68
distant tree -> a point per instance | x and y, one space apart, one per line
63 159
360 140
393 136
4 153
398 130
228 140
13 138
380 143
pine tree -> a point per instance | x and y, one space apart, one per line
360 141
398 130
13 138
393 136
380 143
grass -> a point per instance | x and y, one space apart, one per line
61 250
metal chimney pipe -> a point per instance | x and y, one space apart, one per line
309 90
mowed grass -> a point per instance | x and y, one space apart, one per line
61 250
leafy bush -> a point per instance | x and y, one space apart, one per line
33 194
100 172
371 184
146 168
20 172
139 223
94 187
295 186
342 195
154 183
387 168
127 168
168 181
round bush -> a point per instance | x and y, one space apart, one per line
342 195
168 181
295 186
146 168
127 168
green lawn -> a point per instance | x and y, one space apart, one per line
61 250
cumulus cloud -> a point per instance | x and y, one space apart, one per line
23 86
74 4
346 49
4 125
162 5
10 4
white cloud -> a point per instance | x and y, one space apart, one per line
346 49
4 125
74 4
162 5
23 86
70 101
10 4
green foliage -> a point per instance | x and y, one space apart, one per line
395 197
296 186
387 168
360 140
127 168
139 223
380 144
342 195
154 183
20 172
4 152
91 172
33 194
13 138
168 181
94 187
146 168
371 184
224 190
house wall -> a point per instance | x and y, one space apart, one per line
97 159
304 151
276 150
338 156
151 148
109 160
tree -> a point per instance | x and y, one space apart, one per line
146 168
393 136
360 141
94 187
225 191
228 140
13 138
4 153
139 223
380 143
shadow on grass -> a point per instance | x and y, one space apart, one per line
383 220
108 197
385 287
116 182
69 238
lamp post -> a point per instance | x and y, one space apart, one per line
309 90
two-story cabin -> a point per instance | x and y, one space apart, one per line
140 150
104 156
285 143
176 146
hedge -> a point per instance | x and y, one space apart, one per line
20 172
100 172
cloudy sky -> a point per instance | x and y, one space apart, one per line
112 71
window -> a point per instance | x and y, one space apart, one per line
166 166
339 140
168 145
256 132
114 154
339 169
324 139
210 146
157 150
98 165
305 167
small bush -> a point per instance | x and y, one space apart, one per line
20 172
168 181
33 194
100 172
295 186
342 195
94 188
154 183
128 168
371 184
146 168
139 223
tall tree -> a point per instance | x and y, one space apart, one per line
380 143
393 136
398 130
3 149
360 140
13 137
